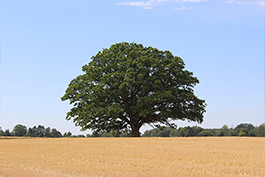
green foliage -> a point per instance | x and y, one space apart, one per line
161 131
55 133
128 85
166 132
241 133
110 134
88 135
95 134
260 130
225 131
48 132
78 136
245 125
41 131
6 133
221 134
125 134
247 129
215 131
174 133
206 133
19 130
198 131
158 132
1 131
187 131
67 134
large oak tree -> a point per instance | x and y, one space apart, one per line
129 85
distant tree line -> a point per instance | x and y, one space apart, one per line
110 134
243 129
36 131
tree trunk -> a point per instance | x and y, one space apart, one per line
135 130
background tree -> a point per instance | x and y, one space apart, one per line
241 133
29 132
244 129
19 130
260 130
245 125
125 134
197 130
6 133
67 134
206 133
1 131
48 132
174 133
39 131
187 131
159 132
55 133
225 131
128 85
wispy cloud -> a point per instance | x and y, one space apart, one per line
144 4
247 2
182 8
150 4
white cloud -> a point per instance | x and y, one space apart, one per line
246 2
183 8
151 3
144 4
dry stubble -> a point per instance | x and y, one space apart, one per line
215 156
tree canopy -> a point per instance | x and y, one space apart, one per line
129 85
19 130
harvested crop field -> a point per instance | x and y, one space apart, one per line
193 156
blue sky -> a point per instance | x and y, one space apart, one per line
45 43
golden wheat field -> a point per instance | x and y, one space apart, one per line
215 156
